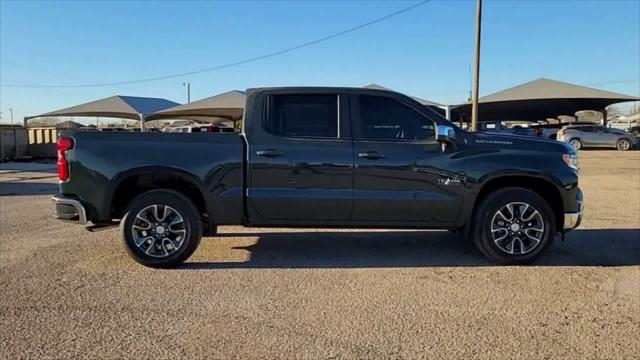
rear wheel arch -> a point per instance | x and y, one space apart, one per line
134 183
543 187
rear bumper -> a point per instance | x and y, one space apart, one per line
69 210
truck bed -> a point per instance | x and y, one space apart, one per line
211 163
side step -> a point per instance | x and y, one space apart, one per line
100 227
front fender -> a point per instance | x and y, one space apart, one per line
527 169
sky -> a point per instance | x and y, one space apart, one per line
425 52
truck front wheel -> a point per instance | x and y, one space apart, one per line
513 226
161 228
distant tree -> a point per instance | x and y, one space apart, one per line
614 110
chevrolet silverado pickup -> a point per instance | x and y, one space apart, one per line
321 157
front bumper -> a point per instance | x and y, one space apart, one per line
69 210
573 219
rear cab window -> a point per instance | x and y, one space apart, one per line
303 115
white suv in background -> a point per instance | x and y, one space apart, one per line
579 136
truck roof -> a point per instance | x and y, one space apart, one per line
323 88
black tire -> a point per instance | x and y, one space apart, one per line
623 145
487 213
576 144
175 203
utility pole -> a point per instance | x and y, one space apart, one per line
188 85
474 104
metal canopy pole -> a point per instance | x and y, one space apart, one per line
142 119
188 85
474 108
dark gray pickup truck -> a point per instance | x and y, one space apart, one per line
321 157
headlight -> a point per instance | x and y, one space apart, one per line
571 160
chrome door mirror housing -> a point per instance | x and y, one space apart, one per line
445 135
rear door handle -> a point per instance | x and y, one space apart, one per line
373 155
269 153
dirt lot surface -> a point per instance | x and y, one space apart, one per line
254 293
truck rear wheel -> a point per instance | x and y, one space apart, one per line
513 226
161 228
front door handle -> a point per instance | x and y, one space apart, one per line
373 155
269 153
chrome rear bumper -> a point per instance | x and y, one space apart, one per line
69 210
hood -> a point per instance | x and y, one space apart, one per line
516 142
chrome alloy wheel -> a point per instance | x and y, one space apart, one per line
517 228
575 144
624 144
158 230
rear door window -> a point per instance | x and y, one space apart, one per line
310 115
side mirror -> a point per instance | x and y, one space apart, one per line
445 135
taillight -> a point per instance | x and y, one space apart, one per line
538 132
64 144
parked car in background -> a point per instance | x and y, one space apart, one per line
579 136
499 127
114 129
550 131
200 128
304 159
105 129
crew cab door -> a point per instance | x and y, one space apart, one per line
400 173
300 159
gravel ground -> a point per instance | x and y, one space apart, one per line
288 293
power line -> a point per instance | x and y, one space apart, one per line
228 65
